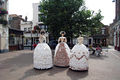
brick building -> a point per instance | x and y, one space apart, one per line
102 38
15 34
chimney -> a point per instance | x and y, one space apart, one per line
26 18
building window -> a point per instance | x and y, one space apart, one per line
10 18
42 16
12 41
39 18
103 31
39 8
25 29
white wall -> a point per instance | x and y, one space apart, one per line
4 43
4 38
35 13
25 25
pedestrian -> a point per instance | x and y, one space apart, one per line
92 49
98 50
34 45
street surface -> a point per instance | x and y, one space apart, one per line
18 65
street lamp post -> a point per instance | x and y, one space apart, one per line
31 36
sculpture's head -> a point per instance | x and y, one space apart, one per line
62 33
42 32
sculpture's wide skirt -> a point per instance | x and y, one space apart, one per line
79 58
62 54
42 56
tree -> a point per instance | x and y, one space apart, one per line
58 14
87 21
68 15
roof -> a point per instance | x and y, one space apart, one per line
15 31
15 15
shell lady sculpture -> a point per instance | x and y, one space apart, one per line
62 52
79 56
42 54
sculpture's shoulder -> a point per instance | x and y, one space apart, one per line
80 38
62 37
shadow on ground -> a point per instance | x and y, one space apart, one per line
56 70
32 72
20 61
76 75
101 57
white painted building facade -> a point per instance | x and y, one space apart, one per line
35 14
36 19
4 43
27 28
30 38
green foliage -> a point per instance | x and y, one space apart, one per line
87 21
2 13
68 15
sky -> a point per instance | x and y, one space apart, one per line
24 7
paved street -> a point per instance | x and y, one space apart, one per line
18 65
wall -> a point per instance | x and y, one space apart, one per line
4 39
25 25
35 13
15 23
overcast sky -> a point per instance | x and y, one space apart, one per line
24 7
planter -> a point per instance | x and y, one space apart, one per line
3 11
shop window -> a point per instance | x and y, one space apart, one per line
12 41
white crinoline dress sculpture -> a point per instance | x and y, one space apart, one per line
79 56
42 54
62 52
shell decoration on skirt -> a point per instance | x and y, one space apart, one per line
42 58
62 54
79 58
